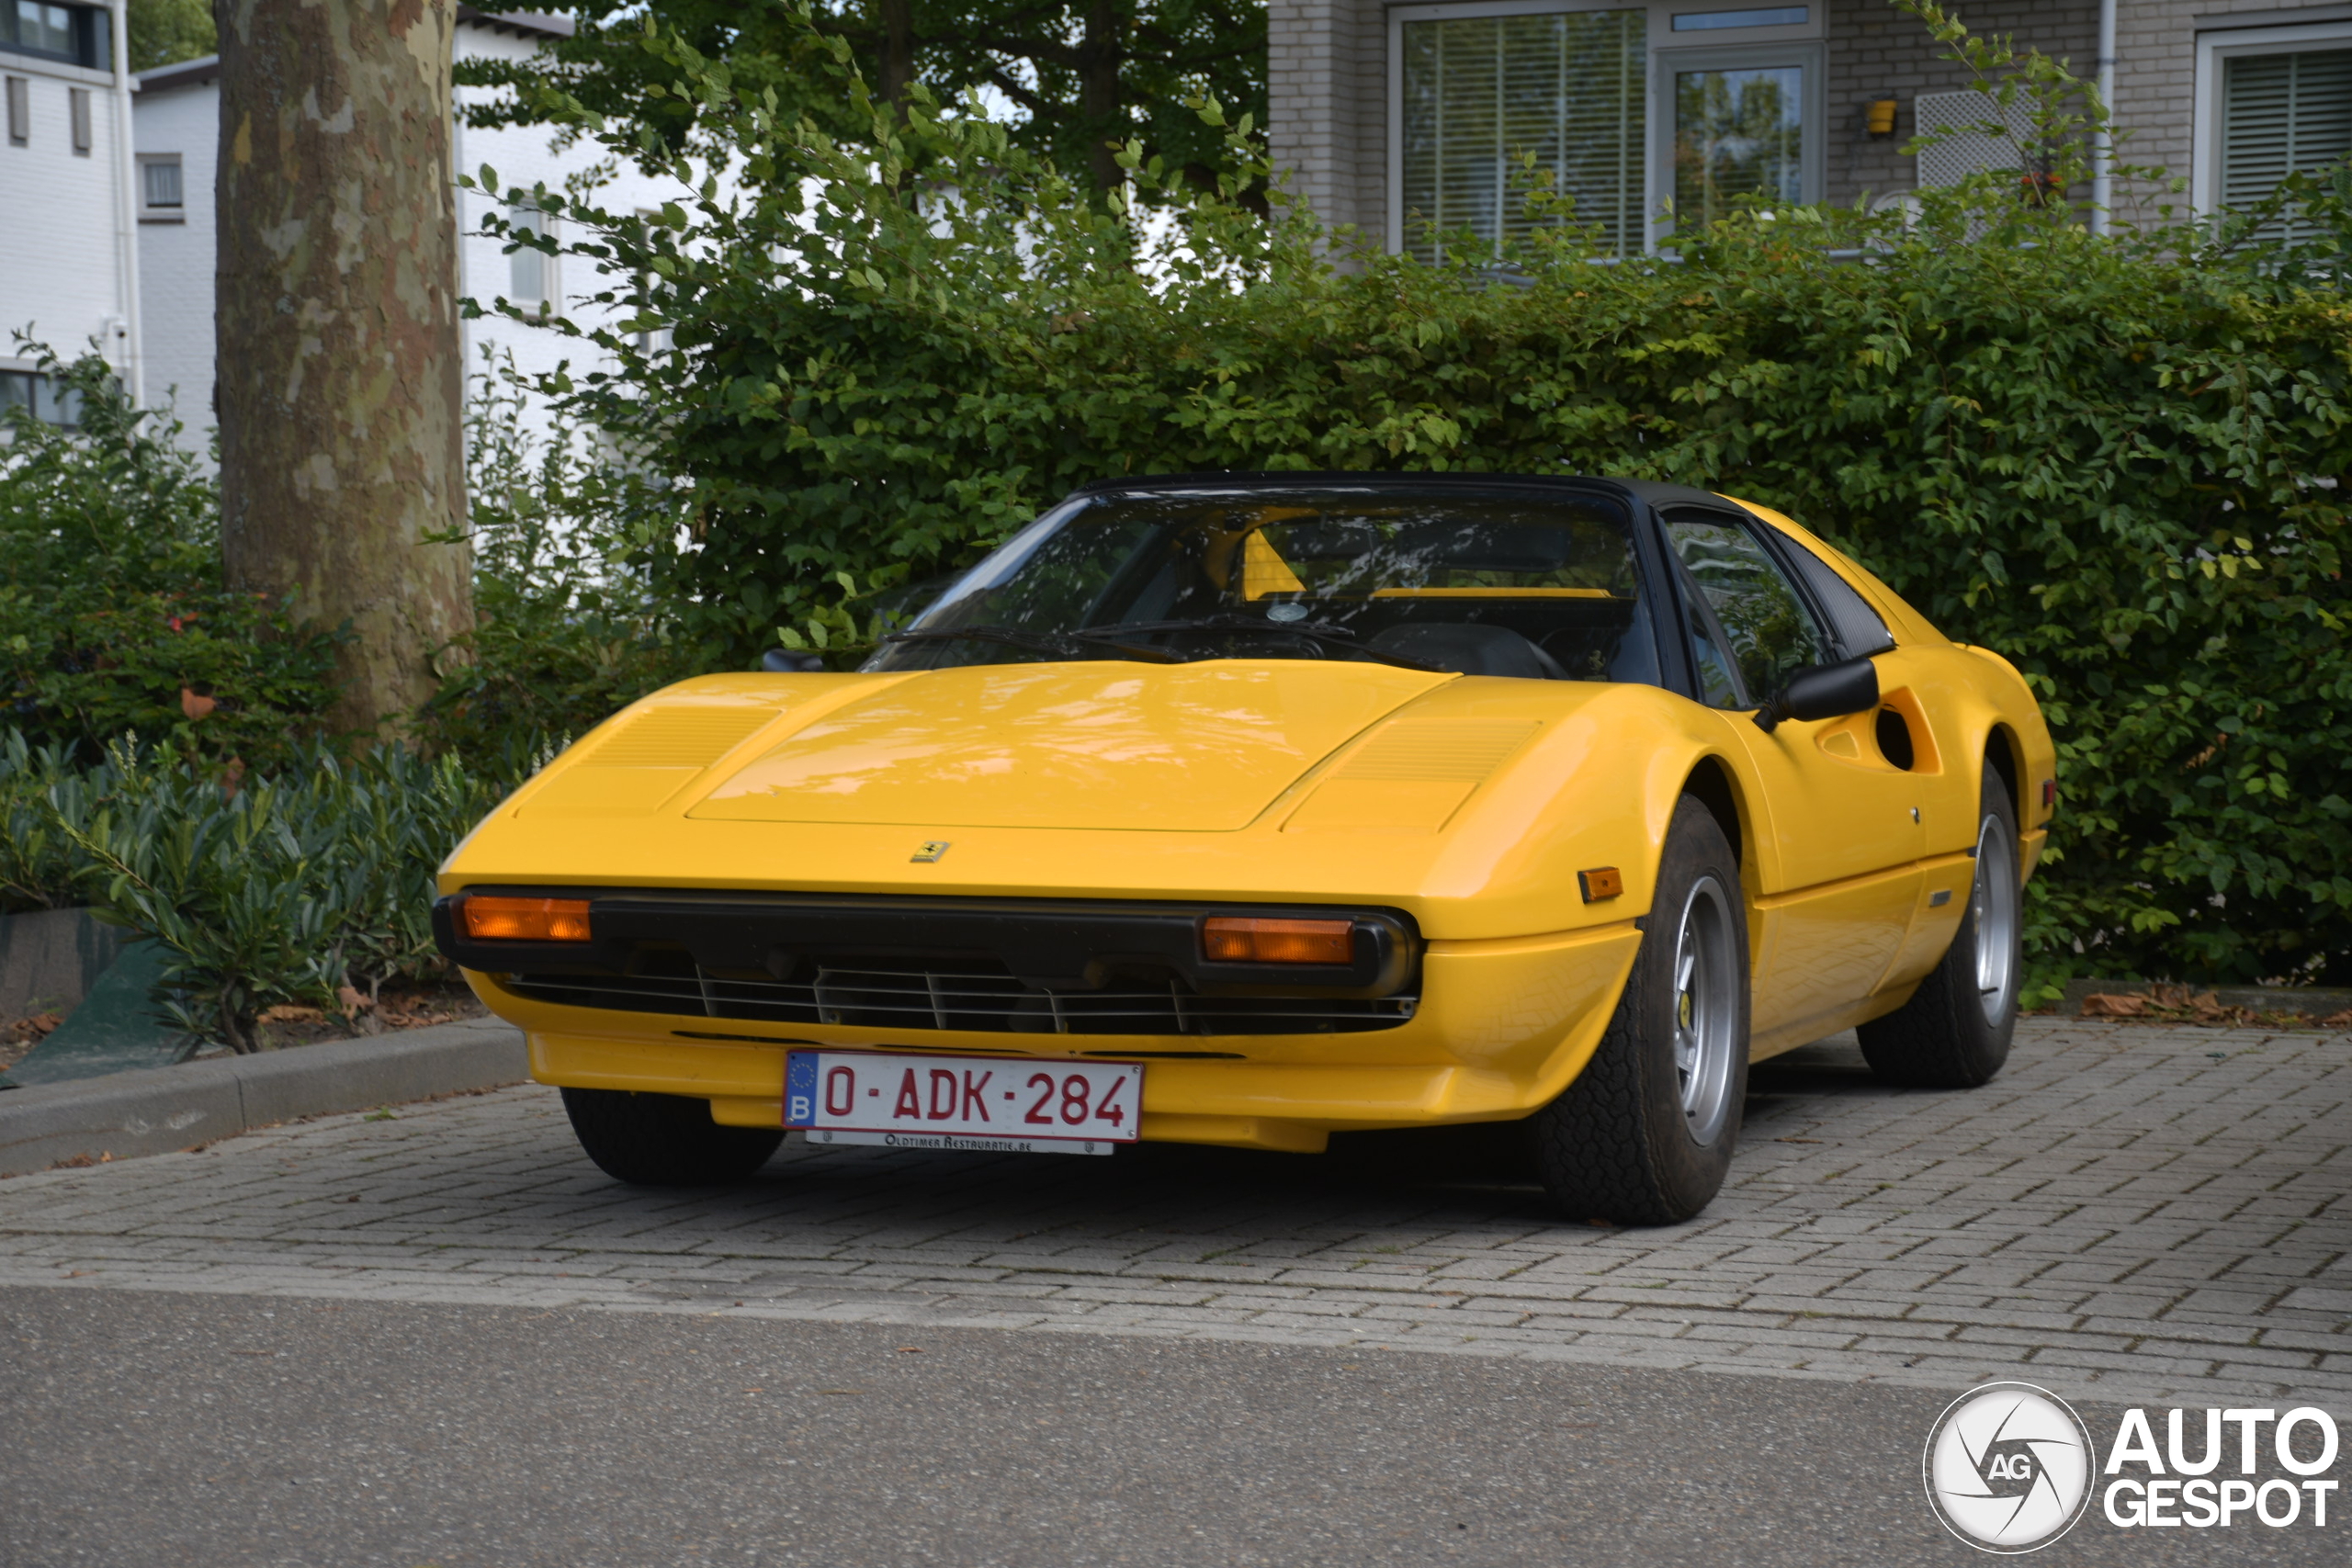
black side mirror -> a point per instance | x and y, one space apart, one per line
791 662
1826 691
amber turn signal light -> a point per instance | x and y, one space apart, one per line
525 919
1225 940
1601 882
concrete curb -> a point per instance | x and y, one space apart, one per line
124 1115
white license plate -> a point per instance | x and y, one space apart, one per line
1008 1104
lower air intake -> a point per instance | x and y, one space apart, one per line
974 995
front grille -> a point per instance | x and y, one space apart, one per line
974 994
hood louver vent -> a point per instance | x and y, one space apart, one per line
678 737
1411 776
1437 750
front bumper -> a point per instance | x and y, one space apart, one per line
1498 1028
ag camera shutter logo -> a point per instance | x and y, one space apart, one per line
2008 1468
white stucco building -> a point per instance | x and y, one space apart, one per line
68 268
177 109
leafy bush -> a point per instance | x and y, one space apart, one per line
168 762
113 617
280 889
39 868
2114 459
566 631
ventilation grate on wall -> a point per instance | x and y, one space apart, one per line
1969 149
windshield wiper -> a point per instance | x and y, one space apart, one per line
1076 645
1329 634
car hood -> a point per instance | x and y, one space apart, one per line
1197 748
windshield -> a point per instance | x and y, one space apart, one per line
1531 585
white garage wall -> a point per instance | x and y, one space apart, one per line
175 254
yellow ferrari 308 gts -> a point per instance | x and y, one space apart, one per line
1245 809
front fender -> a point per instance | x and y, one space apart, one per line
1595 788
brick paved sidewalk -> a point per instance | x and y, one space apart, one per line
2128 1212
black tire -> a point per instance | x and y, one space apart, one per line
1954 1032
1618 1144
664 1139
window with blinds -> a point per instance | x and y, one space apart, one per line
1483 92
2282 113
161 191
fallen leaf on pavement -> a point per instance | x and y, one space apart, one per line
2104 1004
36 1027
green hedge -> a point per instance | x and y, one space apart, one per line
2114 460
566 633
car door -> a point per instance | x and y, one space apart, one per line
1839 829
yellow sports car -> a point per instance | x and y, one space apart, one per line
1245 809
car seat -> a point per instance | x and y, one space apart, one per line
1468 648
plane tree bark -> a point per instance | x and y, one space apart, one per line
340 364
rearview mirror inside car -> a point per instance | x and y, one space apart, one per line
1826 691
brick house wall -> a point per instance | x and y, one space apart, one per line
1330 109
2156 70
1877 51
1327 74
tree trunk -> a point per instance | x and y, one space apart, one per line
1099 55
897 52
340 367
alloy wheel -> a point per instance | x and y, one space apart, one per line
1706 1010
1993 901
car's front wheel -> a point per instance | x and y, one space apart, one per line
663 1140
1954 1032
1645 1135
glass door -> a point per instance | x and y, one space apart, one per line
1736 124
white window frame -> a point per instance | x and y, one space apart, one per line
1781 43
543 224
2212 50
147 214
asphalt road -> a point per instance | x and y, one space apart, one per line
144 1428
